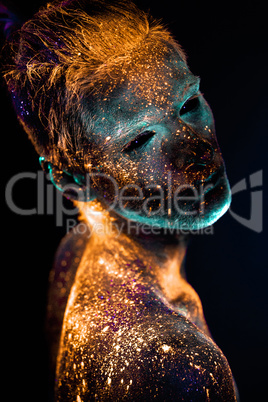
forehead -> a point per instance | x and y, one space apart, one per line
151 88
155 83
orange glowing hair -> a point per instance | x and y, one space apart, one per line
64 56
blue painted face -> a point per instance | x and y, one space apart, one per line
156 159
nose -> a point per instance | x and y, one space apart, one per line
194 151
186 147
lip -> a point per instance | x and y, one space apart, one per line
212 180
203 186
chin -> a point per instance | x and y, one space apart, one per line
208 218
216 203
192 216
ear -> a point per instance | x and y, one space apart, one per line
72 185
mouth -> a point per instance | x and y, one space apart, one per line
205 191
212 181
208 204
203 181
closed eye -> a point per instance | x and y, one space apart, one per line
138 141
190 105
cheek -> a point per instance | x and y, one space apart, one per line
207 119
169 165
134 181
162 164
123 177
111 174
202 122
152 190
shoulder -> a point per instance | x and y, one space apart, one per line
66 262
68 257
184 364
159 356
190 366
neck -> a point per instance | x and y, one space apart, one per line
168 252
163 245
162 255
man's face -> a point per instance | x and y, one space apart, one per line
155 156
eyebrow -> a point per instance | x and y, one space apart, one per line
144 119
193 83
122 130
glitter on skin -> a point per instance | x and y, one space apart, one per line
134 342
131 318
182 151
110 93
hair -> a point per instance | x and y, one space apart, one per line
63 57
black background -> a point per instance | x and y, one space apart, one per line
226 46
